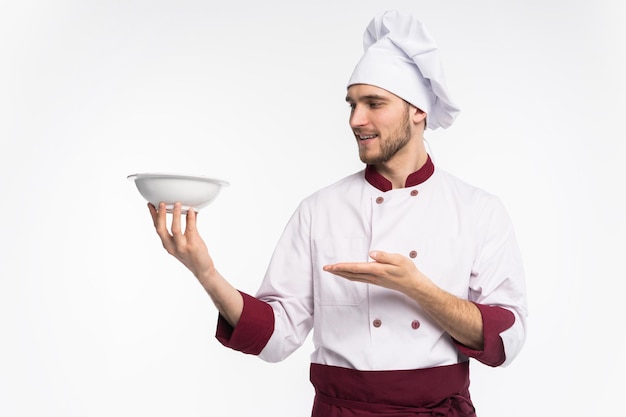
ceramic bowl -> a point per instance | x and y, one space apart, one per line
191 191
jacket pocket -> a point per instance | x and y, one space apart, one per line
330 289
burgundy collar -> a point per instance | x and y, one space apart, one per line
383 184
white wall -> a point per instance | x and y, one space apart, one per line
97 320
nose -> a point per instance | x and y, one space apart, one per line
358 117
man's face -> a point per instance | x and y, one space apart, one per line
381 123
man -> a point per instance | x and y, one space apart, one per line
402 271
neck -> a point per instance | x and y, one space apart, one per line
404 164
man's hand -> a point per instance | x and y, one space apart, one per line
389 270
459 317
188 247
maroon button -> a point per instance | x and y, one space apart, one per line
413 254
415 324
414 193
379 200
377 323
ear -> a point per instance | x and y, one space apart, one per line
417 115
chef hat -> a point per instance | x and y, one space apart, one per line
402 58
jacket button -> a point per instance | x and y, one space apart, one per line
414 193
415 324
379 200
377 323
413 254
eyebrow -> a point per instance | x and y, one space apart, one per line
367 97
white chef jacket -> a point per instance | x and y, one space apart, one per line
458 235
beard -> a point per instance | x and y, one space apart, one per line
391 145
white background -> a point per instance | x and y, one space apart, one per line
97 320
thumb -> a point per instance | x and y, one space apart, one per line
378 256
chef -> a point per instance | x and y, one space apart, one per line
402 271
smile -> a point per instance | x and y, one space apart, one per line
365 137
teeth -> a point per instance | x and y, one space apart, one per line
367 137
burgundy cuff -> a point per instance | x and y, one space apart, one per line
254 329
495 321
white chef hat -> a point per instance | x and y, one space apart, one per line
402 58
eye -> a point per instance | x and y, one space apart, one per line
375 104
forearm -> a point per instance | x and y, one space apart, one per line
459 318
227 299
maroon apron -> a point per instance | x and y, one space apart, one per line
441 391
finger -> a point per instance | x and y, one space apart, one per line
190 227
353 268
366 278
378 256
153 213
176 214
177 234
161 225
386 257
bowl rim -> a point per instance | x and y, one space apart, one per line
158 175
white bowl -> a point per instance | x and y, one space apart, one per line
191 191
